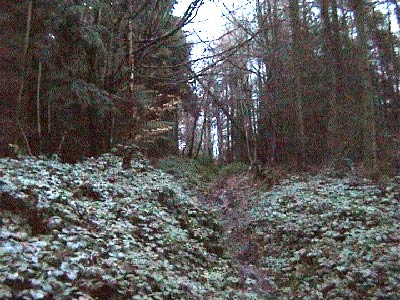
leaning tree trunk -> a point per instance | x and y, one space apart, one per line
19 108
24 58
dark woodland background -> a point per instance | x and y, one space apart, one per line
295 83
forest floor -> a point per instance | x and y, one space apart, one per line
188 229
313 236
326 234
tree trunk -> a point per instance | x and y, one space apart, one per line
297 58
19 108
261 24
394 116
369 153
49 117
246 130
193 134
330 64
208 134
202 133
131 63
229 151
24 59
38 118
220 135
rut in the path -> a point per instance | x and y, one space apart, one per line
232 195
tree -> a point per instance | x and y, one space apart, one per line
369 135
85 64
297 59
331 79
310 82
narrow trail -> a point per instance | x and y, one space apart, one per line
233 196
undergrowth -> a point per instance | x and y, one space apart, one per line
199 172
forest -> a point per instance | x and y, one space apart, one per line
132 168
293 83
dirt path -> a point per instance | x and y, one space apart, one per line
233 196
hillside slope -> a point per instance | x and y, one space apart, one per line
326 234
93 230
316 236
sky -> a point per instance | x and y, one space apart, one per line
209 22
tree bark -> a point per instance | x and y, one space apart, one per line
38 118
334 146
193 135
131 63
369 143
208 135
24 59
297 57
19 108
202 133
220 135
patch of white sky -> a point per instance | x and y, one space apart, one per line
211 22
